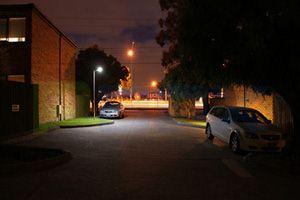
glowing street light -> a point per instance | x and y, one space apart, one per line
153 83
130 54
100 70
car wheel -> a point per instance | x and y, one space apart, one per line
208 132
234 143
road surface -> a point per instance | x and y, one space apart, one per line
146 155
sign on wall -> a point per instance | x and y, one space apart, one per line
15 108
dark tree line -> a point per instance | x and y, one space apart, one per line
109 80
246 42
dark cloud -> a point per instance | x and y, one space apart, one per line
141 33
85 39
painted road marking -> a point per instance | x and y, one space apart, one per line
237 168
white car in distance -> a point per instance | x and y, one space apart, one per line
112 109
243 129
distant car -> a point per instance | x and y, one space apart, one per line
112 109
243 129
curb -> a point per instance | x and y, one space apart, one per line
39 165
36 134
82 126
189 125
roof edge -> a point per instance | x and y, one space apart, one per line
33 8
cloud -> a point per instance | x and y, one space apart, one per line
140 34
85 39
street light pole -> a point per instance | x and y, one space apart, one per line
100 70
130 53
166 94
94 104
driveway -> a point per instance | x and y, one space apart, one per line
146 155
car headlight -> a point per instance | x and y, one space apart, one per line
251 135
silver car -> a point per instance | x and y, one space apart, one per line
112 109
243 129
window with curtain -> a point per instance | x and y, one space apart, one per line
16 29
3 29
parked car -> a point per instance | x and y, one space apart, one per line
243 129
112 109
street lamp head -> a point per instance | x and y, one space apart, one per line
99 69
130 52
153 83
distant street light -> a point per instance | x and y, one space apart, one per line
130 54
100 70
153 83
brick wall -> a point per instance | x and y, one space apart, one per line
45 70
236 96
272 106
68 79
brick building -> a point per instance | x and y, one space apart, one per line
272 106
34 51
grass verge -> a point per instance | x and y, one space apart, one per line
191 122
85 121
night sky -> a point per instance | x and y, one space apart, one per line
112 25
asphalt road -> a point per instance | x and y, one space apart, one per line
146 155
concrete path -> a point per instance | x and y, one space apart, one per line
146 155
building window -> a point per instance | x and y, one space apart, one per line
3 29
16 78
14 30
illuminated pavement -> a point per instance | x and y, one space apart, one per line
145 156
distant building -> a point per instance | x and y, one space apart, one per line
153 95
34 51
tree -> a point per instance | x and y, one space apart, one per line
187 45
181 83
126 84
248 42
113 72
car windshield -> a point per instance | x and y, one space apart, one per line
247 115
111 105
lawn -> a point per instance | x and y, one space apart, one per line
190 122
84 121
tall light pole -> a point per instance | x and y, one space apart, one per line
130 54
100 70
154 84
166 94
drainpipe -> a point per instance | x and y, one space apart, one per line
244 95
59 77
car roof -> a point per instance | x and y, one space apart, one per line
112 102
234 107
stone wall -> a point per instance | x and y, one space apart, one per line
45 70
